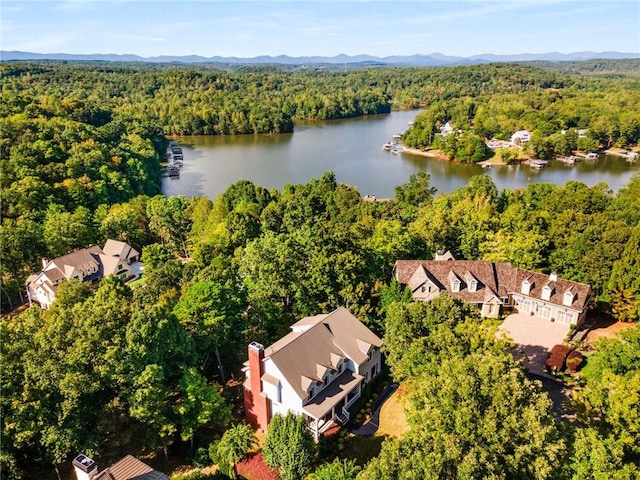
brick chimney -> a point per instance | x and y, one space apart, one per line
256 405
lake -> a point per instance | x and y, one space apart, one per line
352 149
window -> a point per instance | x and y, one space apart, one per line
568 298
374 371
473 285
546 293
455 286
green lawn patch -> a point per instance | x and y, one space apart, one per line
393 424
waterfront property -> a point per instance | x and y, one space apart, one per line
87 265
213 163
520 137
495 287
316 371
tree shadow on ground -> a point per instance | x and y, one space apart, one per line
362 449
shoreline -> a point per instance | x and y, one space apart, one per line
416 151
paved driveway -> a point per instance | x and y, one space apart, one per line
534 337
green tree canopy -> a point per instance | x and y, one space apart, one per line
289 447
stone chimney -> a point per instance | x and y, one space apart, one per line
256 404
85 468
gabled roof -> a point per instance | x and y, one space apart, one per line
489 276
498 279
109 264
130 468
116 248
581 291
78 259
316 345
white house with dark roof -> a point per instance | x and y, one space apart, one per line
316 371
496 286
85 265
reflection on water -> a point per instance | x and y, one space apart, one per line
353 150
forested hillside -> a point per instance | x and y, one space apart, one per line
606 109
206 100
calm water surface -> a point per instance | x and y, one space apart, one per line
352 149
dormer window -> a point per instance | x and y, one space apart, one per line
527 284
568 298
547 290
454 282
473 285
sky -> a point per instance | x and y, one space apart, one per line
319 28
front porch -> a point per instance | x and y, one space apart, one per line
331 405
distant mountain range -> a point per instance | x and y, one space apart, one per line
433 59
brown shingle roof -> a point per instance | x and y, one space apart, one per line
130 468
486 274
581 291
499 278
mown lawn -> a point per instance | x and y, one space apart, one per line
393 424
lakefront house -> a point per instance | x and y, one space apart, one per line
496 287
520 137
317 371
87 265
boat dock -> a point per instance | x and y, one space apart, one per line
539 164
628 155
394 145
569 160
175 160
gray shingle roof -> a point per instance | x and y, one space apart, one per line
302 356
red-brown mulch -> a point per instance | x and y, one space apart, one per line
254 468
556 358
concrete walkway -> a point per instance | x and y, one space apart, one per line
370 427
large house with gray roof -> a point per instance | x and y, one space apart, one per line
316 371
85 265
495 287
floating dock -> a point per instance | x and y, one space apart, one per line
175 160
539 164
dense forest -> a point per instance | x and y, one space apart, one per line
123 370
145 369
